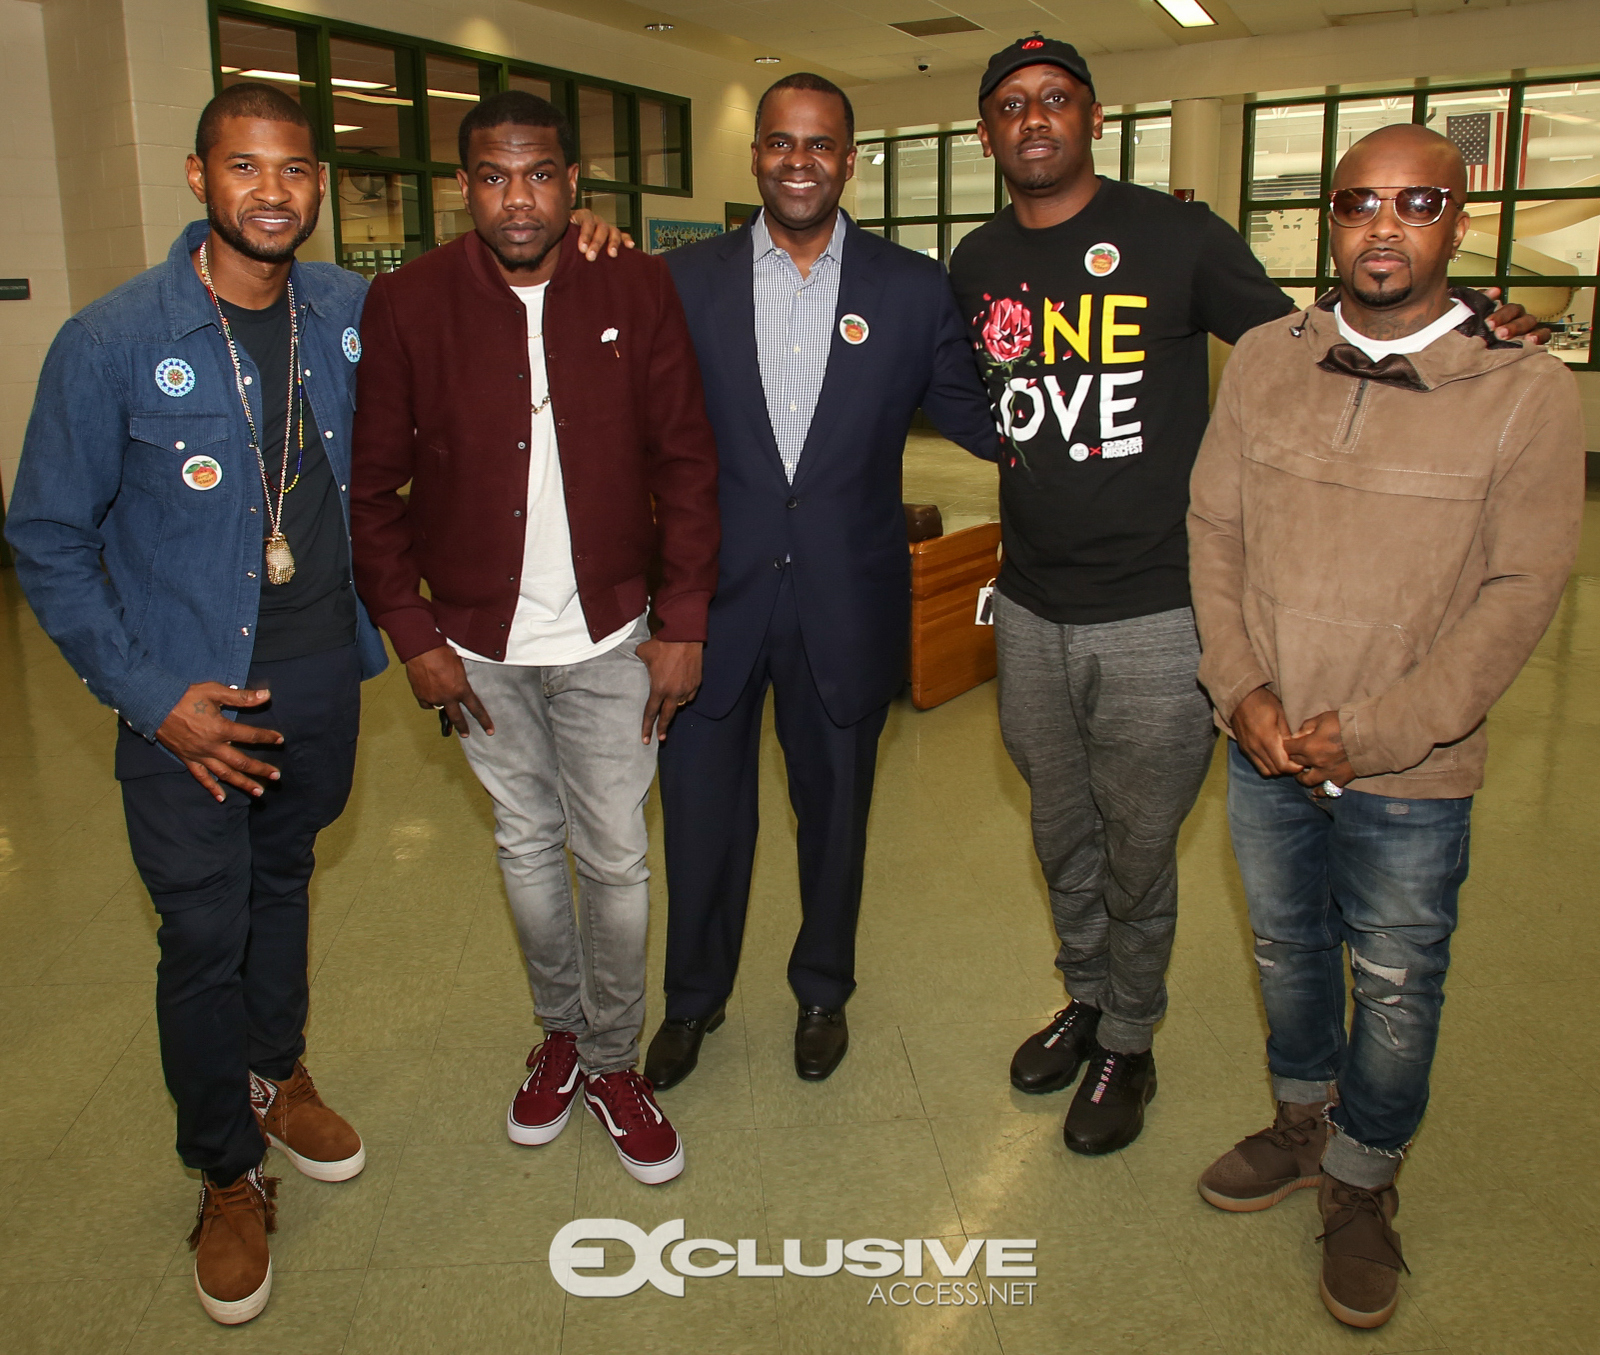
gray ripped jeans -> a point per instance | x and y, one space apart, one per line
567 771
1110 728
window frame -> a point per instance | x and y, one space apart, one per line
313 34
1507 196
889 224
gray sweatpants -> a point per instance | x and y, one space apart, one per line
1111 730
566 768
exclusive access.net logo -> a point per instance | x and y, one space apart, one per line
917 1270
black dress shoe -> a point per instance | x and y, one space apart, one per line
1048 1060
820 1040
676 1048
1108 1111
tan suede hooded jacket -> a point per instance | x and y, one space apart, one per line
1386 540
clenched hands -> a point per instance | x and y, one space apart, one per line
203 737
674 679
1260 727
439 682
1319 749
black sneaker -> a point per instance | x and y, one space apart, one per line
1108 1111
1048 1060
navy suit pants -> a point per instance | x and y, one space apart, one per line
711 817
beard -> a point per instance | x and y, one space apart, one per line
521 265
231 232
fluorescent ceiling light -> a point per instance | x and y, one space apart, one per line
453 94
342 127
767 60
1187 13
387 99
358 84
288 76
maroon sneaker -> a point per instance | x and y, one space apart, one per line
540 1108
644 1138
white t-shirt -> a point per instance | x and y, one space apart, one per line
548 627
1378 349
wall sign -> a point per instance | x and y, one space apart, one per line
665 235
15 289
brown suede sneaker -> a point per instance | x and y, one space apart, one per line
295 1122
1361 1261
1260 1170
232 1267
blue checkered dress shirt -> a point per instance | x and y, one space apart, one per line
794 333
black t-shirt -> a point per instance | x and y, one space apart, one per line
316 609
1091 336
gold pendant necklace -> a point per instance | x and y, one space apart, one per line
278 558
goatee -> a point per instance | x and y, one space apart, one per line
277 253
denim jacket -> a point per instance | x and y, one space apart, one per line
137 516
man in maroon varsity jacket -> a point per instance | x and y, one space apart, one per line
548 416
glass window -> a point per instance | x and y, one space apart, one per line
1152 152
1285 241
603 134
1357 117
869 181
1571 311
916 177
1561 136
531 84
959 231
1108 150
450 217
380 227
969 177
1476 121
453 87
661 143
620 209
370 114
1301 296
254 51
924 239
1287 161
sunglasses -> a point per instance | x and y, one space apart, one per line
1412 206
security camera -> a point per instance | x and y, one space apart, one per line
922 65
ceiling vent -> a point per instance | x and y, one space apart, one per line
937 28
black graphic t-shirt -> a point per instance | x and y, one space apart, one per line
1091 336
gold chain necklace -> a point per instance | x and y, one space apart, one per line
279 558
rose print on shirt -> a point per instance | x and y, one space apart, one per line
1008 331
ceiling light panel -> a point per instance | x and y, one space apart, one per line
1187 13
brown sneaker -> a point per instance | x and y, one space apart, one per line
317 1140
1361 1261
232 1267
1260 1170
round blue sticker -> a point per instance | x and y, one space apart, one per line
174 376
351 343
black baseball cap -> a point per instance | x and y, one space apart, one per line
1033 51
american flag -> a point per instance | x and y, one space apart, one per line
1481 139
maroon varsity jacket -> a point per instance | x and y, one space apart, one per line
443 403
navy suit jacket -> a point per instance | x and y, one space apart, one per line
840 522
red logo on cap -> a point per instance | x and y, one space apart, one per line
1031 43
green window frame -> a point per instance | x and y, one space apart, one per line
938 231
409 181
1280 214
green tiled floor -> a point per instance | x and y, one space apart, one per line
420 1022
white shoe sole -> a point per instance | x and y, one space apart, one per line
653 1173
536 1135
230 1313
321 1171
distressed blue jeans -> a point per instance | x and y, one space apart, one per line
1380 876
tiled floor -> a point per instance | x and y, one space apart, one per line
420 1024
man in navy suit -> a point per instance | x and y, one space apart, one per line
817 343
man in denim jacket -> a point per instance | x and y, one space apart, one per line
146 491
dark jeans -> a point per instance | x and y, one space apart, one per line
711 817
230 883
1378 875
